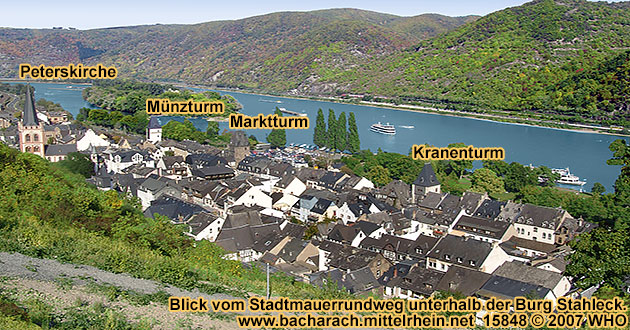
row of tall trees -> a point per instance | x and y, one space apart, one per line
341 134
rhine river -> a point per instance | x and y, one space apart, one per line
584 153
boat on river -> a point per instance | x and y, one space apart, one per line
386 129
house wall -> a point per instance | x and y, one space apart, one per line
364 183
309 250
562 288
379 266
146 197
345 214
495 258
295 188
254 196
535 233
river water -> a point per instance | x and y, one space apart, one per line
584 153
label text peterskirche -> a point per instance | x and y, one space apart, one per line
71 71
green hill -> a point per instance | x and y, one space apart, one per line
517 58
274 52
546 56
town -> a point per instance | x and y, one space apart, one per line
322 225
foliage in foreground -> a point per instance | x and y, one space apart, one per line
47 212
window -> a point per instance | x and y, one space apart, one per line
35 137
535 229
378 273
27 137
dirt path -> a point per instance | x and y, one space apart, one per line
61 285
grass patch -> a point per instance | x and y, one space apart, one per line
505 196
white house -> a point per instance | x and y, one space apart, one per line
254 196
91 139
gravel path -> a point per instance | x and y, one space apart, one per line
19 265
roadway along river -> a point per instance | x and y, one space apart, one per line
584 153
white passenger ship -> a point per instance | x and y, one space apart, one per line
383 129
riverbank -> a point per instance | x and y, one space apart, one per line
492 117
505 119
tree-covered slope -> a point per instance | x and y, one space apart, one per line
516 58
277 51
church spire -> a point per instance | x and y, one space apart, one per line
29 116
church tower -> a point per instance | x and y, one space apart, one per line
31 130
154 130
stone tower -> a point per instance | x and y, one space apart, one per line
154 130
239 145
30 129
426 182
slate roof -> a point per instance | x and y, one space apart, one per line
489 209
366 227
450 204
292 249
60 149
505 288
427 177
200 221
170 160
173 208
350 258
204 159
431 200
29 116
540 216
483 227
208 171
461 251
321 206
249 218
528 274
154 123
358 209
415 249
463 280
152 185
293 230
400 269
344 234
419 280
515 242
360 280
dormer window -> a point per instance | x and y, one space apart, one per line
472 263
460 260
447 257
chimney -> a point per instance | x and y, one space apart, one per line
395 272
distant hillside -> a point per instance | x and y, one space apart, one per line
517 58
546 56
274 52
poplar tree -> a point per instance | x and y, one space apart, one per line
332 130
354 144
278 137
341 139
320 138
